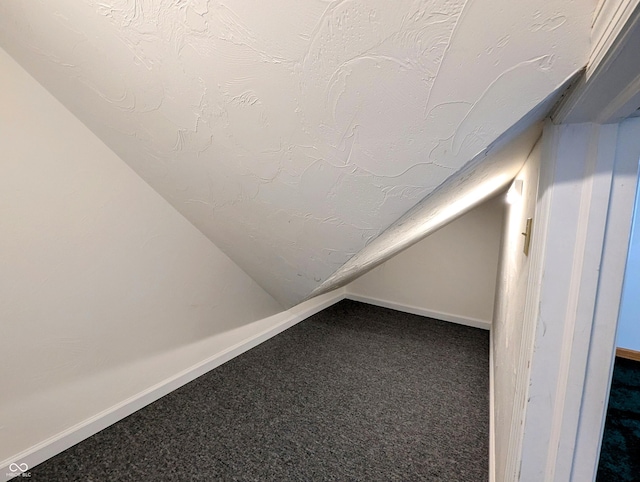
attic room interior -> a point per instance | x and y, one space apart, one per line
325 240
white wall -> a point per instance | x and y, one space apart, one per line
628 335
293 133
105 289
507 331
451 274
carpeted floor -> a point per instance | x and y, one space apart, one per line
355 392
620 454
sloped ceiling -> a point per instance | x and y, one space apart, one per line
481 179
292 133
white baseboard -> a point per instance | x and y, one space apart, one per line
414 310
85 429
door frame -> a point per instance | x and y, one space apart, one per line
591 158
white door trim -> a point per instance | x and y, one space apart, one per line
574 186
584 216
611 16
607 93
601 353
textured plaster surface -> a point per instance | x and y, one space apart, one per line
293 133
484 177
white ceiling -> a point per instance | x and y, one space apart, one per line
292 133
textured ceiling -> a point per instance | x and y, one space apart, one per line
292 133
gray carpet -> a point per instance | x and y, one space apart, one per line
355 392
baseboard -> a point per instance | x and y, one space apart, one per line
85 429
628 354
414 310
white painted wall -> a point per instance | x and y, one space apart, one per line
507 331
105 289
450 275
628 335
292 134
